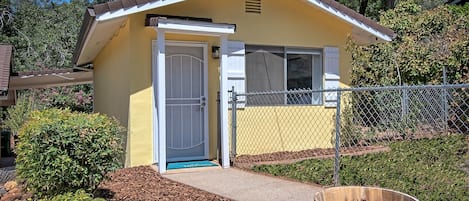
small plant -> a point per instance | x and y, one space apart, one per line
16 116
350 134
79 195
62 151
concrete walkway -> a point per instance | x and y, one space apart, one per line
241 185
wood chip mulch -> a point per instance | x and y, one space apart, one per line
144 183
248 161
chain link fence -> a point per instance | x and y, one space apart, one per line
289 126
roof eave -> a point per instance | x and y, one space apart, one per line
385 35
89 21
134 9
92 18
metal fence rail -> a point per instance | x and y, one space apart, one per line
289 125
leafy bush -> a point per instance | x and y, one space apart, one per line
429 169
62 151
79 195
427 41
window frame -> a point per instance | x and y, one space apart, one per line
292 50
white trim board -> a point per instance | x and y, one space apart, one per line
196 27
349 19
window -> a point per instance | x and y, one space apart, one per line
278 69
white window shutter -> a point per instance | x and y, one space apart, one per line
236 69
331 75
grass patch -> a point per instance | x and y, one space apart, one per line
430 169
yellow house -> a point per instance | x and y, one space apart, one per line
159 64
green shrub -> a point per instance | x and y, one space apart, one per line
429 169
79 195
62 151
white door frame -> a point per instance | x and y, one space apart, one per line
204 47
159 89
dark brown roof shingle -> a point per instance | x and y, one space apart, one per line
6 53
118 4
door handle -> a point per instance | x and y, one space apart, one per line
202 102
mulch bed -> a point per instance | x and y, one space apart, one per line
144 183
248 161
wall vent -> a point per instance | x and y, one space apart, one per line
253 6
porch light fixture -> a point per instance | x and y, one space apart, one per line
215 52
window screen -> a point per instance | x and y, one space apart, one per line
265 72
265 68
270 68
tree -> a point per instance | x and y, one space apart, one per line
6 16
373 8
369 8
427 43
44 33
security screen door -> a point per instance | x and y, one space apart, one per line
186 102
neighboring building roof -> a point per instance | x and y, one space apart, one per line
50 78
116 11
10 82
6 55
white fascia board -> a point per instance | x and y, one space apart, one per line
87 40
200 28
135 9
350 20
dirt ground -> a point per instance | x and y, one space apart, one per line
144 183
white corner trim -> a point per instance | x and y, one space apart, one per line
203 28
225 152
161 100
350 20
135 9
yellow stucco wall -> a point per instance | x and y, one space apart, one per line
290 128
127 58
111 81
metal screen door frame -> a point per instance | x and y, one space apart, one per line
205 129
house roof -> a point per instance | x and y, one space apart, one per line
119 4
125 4
6 53
113 14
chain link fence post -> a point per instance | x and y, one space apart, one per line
445 102
234 100
337 140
